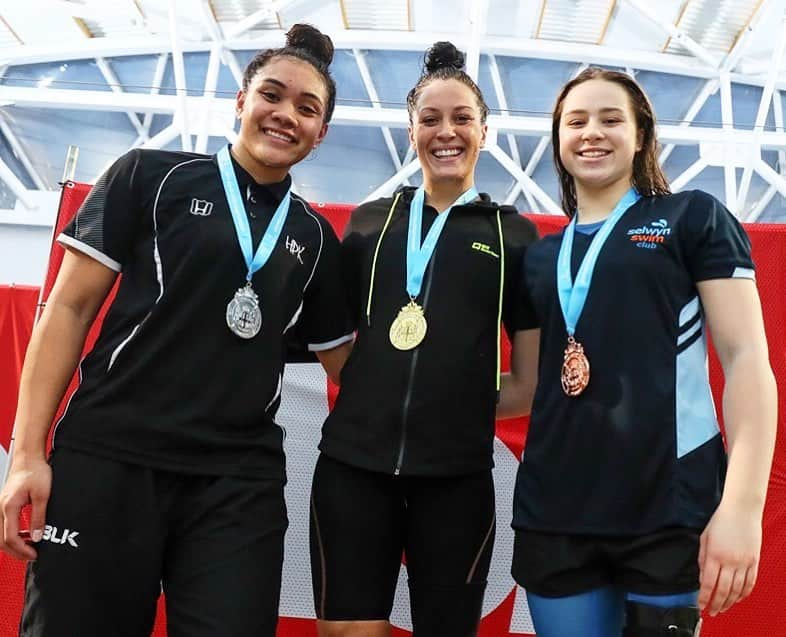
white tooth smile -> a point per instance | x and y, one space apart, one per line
281 136
594 153
447 152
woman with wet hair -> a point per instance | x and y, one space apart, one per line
167 469
627 520
407 450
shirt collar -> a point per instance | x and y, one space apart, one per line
275 190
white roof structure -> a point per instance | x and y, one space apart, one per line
109 75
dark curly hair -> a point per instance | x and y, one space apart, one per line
307 43
443 61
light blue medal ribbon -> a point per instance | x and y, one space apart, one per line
409 327
243 315
419 256
573 295
243 230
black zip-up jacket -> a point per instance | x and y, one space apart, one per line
430 410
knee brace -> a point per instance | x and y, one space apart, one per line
446 611
645 620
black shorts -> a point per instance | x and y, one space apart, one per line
116 533
555 565
361 521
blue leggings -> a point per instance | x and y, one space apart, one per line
598 613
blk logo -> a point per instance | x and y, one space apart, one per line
200 207
295 248
66 537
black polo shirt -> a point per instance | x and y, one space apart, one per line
640 448
168 385
427 411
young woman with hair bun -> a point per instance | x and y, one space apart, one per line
167 469
627 520
406 453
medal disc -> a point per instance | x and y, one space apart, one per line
409 328
575 369
244 317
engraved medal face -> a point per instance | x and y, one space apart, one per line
244 317
409 328
575 369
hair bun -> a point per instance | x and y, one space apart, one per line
443 54
312 40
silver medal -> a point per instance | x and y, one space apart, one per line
244 317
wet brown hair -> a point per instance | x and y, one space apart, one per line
648 178
307 43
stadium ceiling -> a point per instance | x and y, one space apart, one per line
719 42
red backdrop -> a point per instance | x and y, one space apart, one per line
763 614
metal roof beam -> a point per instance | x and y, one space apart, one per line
745 38
709 88
416 41
114 84
360 59
690 173
507 163
496 80
478 12
21 154
209 94
17 187
354 115
158 78
387 188
255 18
675 32
216 33
180 78
389 40
772 177
163 137
727 117
764 105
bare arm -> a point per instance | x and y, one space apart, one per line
52 355
518 386
333 360
731 543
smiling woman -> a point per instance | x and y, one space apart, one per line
168 464
285 104
627 521
407 453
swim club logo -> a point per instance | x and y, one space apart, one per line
200 207
650 236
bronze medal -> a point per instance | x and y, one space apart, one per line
409 328
575 369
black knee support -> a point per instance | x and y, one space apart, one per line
446 611
645 620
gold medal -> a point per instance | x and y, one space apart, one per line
409 328
575 369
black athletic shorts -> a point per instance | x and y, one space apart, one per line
555 565
362 521
117 533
